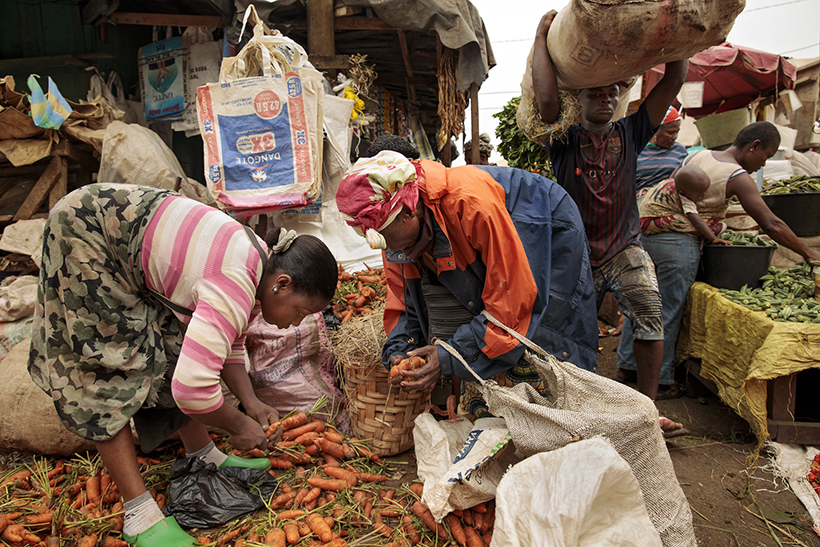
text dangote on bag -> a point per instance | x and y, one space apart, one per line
262 133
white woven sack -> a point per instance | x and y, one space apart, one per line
583 405
582 495
261 126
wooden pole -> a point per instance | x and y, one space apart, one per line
475 158
320 27
60 188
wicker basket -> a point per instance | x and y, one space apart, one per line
378 410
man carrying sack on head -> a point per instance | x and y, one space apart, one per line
596 165
462 240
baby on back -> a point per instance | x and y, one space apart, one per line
691 184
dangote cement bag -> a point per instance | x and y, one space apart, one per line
262 140
262 127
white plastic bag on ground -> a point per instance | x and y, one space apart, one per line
460 462
582 495
792 462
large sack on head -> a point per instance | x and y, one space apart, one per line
28 420
594 43
529 119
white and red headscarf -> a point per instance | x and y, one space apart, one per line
672 115
374 191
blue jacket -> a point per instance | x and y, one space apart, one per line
508 241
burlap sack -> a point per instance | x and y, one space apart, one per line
28 420
583 405
530 122
597 42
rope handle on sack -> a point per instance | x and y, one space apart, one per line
524 340
283 65
454 352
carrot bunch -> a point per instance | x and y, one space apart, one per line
357 292
408 365
471 527
76 500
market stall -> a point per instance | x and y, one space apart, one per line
729 86
753 361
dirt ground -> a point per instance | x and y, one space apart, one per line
711 468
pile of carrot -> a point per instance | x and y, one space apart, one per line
57 502
356 293
332 493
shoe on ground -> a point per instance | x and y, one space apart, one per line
165 533
262 464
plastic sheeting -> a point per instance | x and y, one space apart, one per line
457 23
740 350
793 462
205 496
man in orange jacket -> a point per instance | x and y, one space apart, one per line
462 240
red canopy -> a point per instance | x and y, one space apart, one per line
734 76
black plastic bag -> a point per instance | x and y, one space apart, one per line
206 496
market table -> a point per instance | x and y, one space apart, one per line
752 360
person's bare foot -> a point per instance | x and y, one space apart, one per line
620 328
624 376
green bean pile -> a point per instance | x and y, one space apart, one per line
785 296
746 238
798 184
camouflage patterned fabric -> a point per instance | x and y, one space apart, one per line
101 347
472 401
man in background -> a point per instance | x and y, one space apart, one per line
596 165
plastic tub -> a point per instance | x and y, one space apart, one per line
800 211
732 266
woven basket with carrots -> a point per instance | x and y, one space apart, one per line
382 414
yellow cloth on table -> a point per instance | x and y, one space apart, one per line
740 350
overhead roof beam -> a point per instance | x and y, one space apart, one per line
170 19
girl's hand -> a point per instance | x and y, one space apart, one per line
248 435
262 413
718 241
265 415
